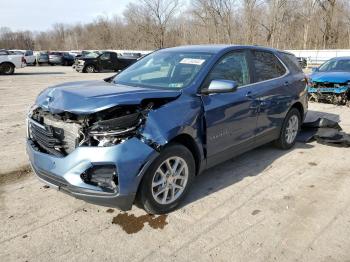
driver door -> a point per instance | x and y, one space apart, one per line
106 61
230 118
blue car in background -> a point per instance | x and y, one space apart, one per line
331 82
143 135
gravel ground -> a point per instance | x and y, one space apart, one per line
266 205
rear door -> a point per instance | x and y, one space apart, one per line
230 118
269 89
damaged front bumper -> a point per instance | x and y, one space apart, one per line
335 95
334 90
79 68
130 159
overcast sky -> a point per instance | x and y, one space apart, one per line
42 14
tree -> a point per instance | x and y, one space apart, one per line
152 17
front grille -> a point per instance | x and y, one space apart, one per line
45 137
54 136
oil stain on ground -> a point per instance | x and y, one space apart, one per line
132 224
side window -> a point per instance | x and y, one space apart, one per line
106 56
233 66
267 66
291 61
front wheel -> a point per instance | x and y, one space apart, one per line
89 69
290 129
167 180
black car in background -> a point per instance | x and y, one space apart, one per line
103 61
61 58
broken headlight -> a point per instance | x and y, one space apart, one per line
116 130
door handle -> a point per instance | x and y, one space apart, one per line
286 83
250 95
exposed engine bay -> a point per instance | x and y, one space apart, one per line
334 93
60 134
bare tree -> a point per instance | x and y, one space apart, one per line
153 17
152 24
250 17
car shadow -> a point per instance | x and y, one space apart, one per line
249 164
39 73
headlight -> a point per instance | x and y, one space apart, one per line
31 109
109 138
29 115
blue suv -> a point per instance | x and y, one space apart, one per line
143 135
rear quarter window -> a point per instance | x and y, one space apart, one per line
266 66
291 61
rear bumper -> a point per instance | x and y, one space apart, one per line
131 159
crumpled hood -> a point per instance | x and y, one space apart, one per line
86 97
331 77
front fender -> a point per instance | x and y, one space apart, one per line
181 116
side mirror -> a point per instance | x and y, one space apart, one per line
220 86
110 78
314 69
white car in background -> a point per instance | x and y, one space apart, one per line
28 55
9 61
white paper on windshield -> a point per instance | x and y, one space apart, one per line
192 61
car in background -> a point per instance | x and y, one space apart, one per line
302 62
61 58
80 55
28 55
145 134
9 60
331 82
103 61
42 58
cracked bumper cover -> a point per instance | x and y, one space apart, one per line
131 159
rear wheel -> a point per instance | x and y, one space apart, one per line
7 69
167 180
290 129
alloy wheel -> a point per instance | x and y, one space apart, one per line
169 180
292 129
90 69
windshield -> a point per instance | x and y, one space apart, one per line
164 69
92 55
335 65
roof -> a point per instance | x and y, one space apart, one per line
215 48
341 58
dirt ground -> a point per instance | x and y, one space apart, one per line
266 205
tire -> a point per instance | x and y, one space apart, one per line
157 193
7 69
89 69
291 126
